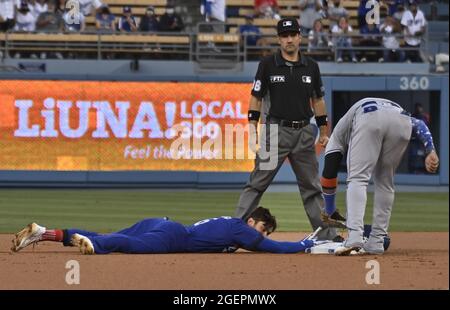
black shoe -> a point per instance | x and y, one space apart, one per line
332 222
338 238
337 216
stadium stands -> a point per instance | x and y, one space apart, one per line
183 45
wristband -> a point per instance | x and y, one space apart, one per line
253 115
321 120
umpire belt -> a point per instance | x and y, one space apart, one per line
288 123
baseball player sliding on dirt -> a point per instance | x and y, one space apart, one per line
161 235
374 133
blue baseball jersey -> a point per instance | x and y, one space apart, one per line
222 234
160 235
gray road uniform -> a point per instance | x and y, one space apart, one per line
286 89
375 133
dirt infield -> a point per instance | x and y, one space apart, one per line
414 261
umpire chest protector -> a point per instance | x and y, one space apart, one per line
288 86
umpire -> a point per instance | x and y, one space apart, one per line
291 87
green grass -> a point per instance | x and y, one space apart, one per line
110 210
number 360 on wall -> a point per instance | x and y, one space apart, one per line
414 83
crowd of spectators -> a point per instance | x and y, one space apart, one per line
396 37
378 40
70 16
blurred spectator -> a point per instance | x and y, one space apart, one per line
86 6
341 39
37 7
149 22
171 21
60 6
310 10
390 30
416 149
73 21
7 10
393 5
318 38
419 113
250 32
25 21
51 20
104 20
413 22
399 12
267 9
371 38
335 11
214 12
127 22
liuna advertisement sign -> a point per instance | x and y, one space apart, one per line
115 126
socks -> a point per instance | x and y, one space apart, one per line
53 235
329 194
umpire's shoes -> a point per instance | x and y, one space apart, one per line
31 234
85 245
334 220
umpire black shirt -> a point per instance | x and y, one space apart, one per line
290 86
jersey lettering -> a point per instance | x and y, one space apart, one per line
212 219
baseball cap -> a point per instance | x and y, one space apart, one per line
24 5
127 9
151 8
288 25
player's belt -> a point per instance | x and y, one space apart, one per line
288 123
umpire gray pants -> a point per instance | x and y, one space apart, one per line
299 146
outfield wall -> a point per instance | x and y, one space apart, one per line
77 158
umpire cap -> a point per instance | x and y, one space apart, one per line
289 24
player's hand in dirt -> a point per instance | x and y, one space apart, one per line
432 162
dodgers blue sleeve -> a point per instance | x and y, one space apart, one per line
273 246
421 131
250 239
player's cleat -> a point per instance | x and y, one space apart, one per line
85 245
338 238
334 220
345 251
337 216
364 251
31 234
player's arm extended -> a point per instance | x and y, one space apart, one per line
248 238
421 131
282 247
